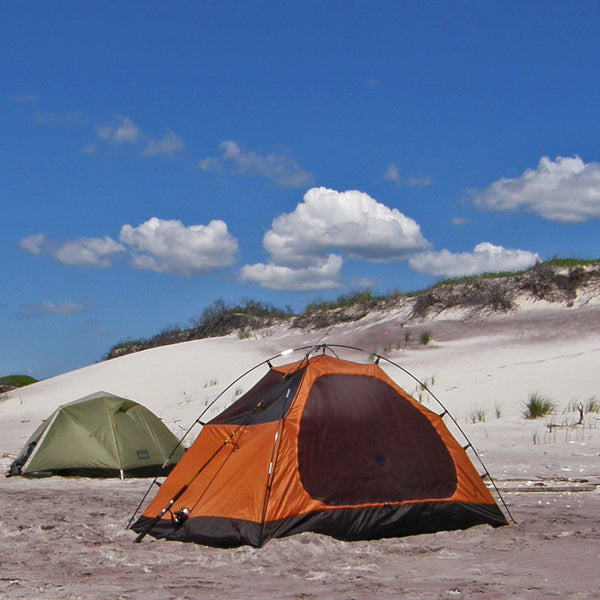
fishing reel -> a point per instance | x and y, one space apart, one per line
180 517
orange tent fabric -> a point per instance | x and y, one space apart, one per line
322 445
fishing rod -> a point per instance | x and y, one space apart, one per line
229 439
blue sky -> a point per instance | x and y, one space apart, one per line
159 156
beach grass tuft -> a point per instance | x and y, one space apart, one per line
538 406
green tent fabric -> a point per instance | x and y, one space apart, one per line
100 435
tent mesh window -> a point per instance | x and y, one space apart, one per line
267 401
416 466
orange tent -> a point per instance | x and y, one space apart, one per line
323 445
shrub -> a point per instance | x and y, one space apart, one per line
538 406
425 337
548 281
244 334
11 382
345 308
484 293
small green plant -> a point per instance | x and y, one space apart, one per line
407 337
211 383
425 337
244 334
592 405
538 406
477 415
421 392
239 390
498 410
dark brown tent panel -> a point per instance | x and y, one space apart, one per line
323 445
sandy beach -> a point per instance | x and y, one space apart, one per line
66 538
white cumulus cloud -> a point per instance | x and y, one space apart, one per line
35 243
307 247
393 174
88 252
565 190
169 145
121 131
351 223
81 252
47 307
485 258
210 164
168 246
280 167
157 245
323 275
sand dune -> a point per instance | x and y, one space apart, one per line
67 538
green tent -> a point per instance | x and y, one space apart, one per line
100 435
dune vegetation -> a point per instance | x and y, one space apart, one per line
11 382
555 281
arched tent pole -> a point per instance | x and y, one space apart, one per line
308 351
199 420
